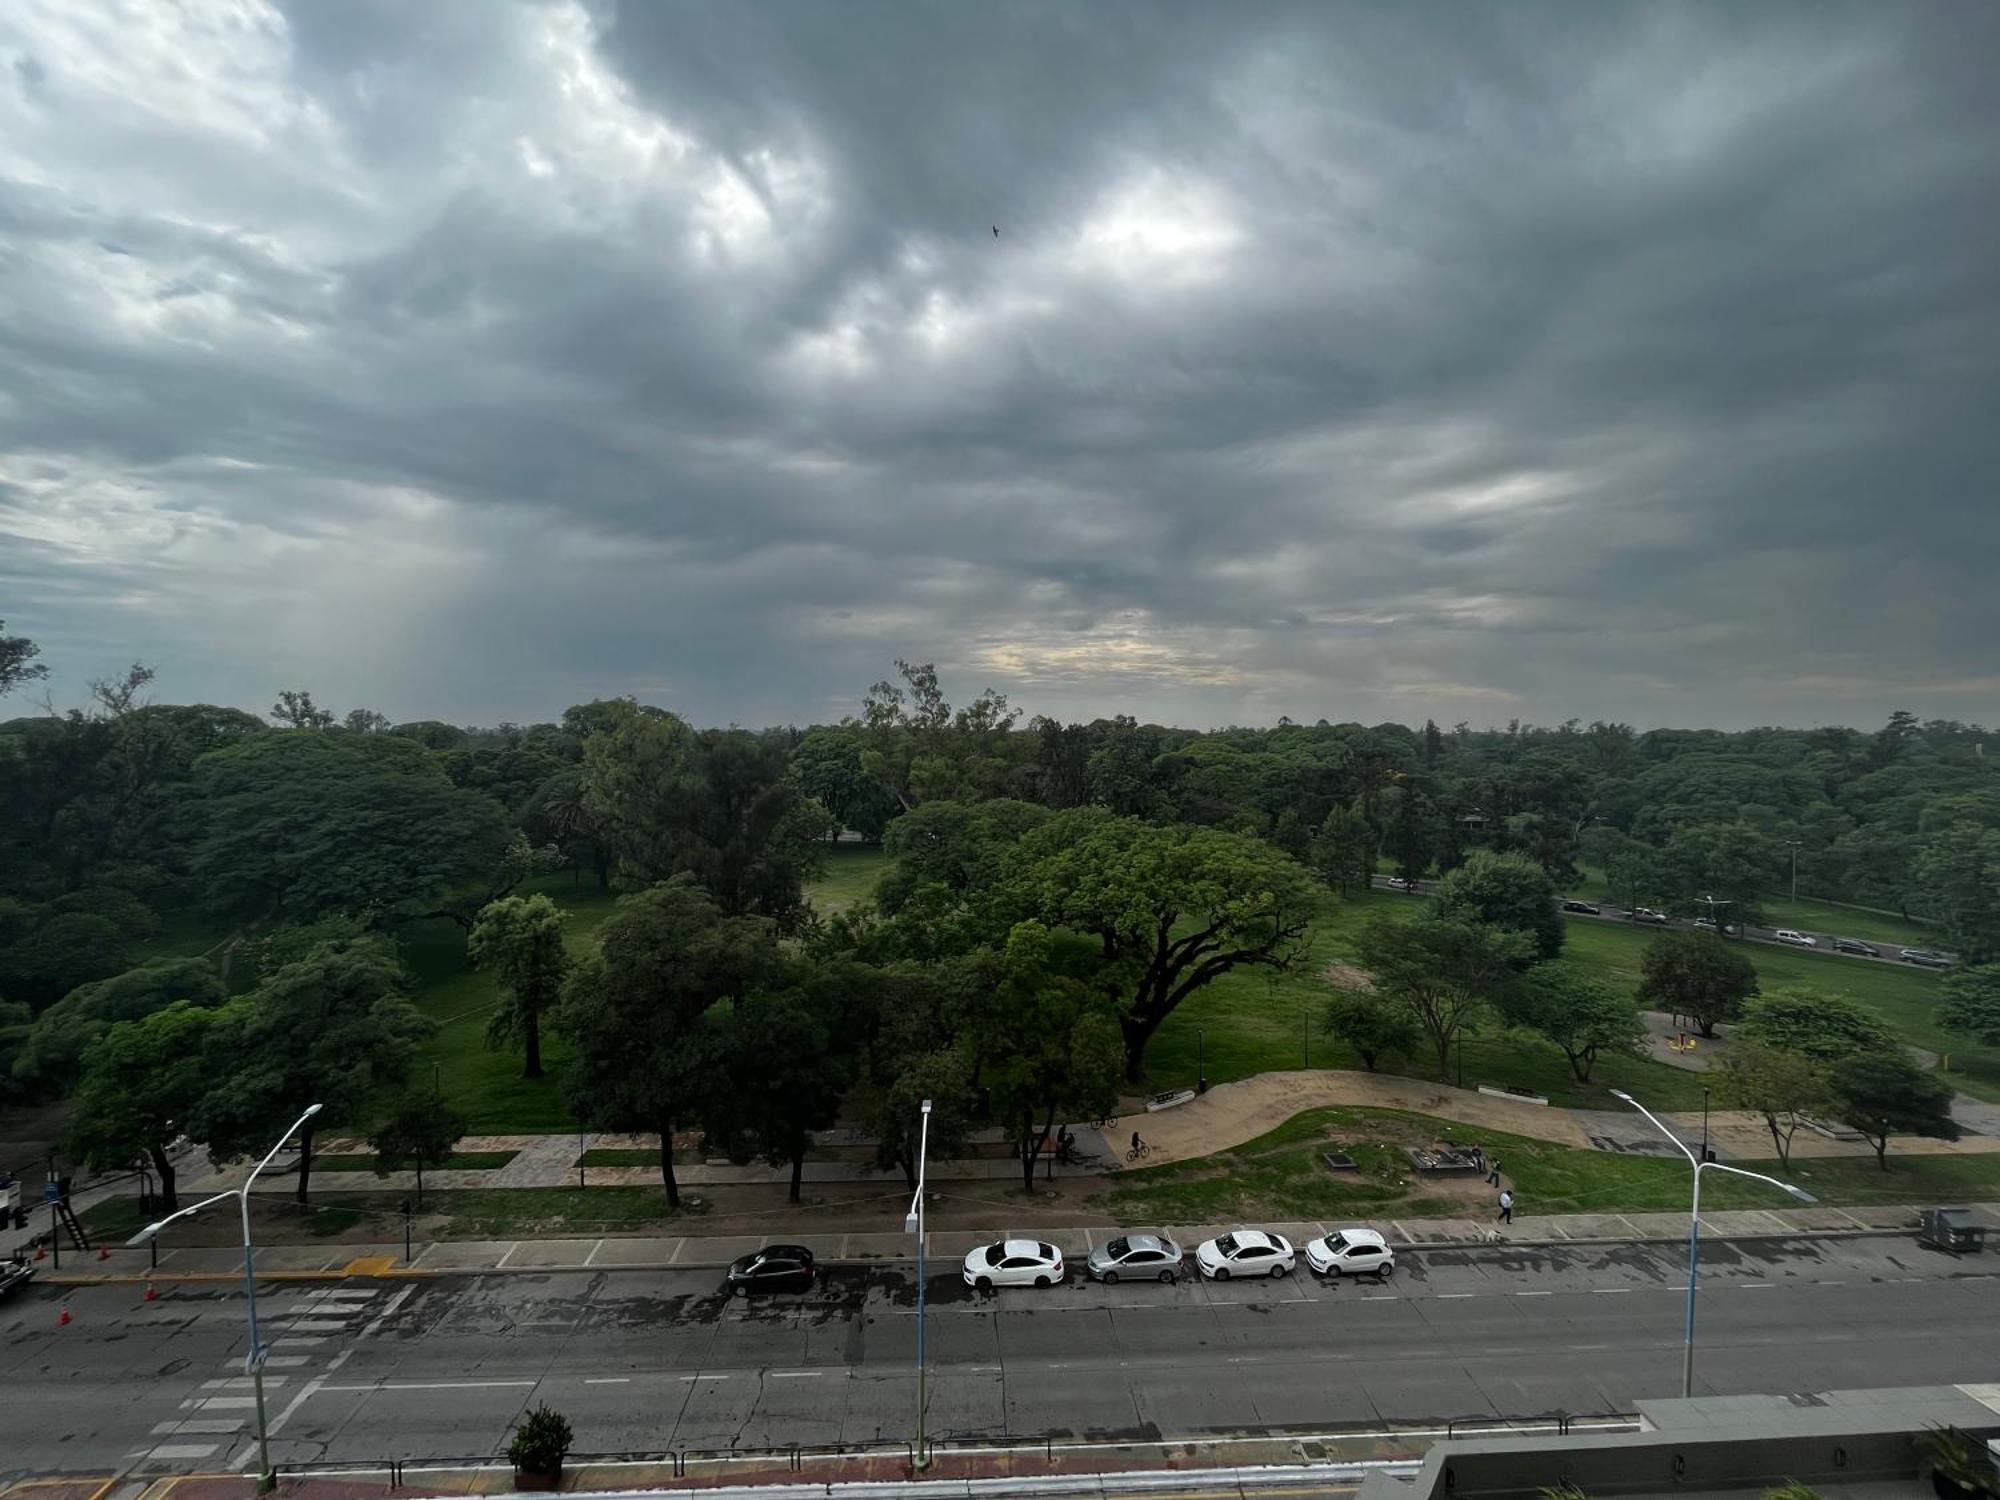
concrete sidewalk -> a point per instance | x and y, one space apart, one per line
697 1252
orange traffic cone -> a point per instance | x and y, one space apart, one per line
63 1321
152 1293
104 1252
41 1251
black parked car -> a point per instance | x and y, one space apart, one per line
775 1268
1582 906
1855 946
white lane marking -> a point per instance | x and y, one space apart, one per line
180 1450
195 1425
1609 1291
1754 1286
1534 1294
796 1374
316 1325
704 1377
1829 1283
432 1385
303 1340
284 1361
1454 1296
241 1383
343 1293
394 1302
609 1380
228 1403
1381 1297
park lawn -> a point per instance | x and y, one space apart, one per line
458 1161
1973 1177
1280 1175
520 1213
852 872
1254 1021
1905 998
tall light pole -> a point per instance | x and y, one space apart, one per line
253 1359
1711 903
1694 1223
1794 843
913 1223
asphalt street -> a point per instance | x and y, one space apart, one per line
368 1370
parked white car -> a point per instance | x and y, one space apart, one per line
1350 1252
1014 1263
1246 1252
1795 937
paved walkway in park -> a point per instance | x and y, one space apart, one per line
1226 1116
668 1251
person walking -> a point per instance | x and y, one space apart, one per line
1493 1171
1506 1206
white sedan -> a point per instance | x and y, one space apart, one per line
1350 1252
1246 1252
1014 1263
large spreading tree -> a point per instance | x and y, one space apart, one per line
1508 891
1170 908
1443 973
1885 1092
1696 974
142 1079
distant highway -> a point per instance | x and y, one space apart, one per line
1887 953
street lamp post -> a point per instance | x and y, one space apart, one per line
1200 1061
1694 1223
253 1360
913 1223
1795 872
1714 916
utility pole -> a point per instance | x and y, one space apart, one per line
913 1223
1795 871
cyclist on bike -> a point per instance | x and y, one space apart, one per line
1137 1144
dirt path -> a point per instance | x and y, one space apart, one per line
1232 1113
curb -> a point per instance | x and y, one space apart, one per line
407 1273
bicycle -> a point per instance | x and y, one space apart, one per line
1104 1123
1143 1149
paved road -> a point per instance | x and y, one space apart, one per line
1887 953
366 1370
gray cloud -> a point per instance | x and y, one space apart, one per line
1350 361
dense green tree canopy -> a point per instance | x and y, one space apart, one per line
305 824
1885 1092
1971 1004
65 1031
1582 1015
520 938
1698 975
1508 891
1824 1027
1443 973
143 1079
421 1131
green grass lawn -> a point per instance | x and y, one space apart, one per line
851 873
1281 1175
459 1161
1806 914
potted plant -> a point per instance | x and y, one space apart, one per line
1959 1471
541 1439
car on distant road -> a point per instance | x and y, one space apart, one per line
1647 914
1152 1257
1707 924
1796 938
1246 1252
1855 946
1923 958
1014 1263
1350 1252
775 1268
1582 907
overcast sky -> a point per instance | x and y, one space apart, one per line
1360 362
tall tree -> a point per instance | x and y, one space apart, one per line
65 1031
1342 852
1583 1016
1375 1026
1696 974
521 939
1813 1023
332 1029
1786 1088
1170 908
306 825
1443 973
296 710
1957 879
421 1131
1506 891
637 1012
1049 1048
785 1072
1884 1093
141 1080
17 661
1971 1004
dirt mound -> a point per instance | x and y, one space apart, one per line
1347 977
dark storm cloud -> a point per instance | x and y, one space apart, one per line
1359 361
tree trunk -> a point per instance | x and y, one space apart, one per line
531 1041
798 1170
603 863
667 1164
163 1168
1881 1150
420 1184
305 1161
1138 1030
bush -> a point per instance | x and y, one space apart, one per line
541 1441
